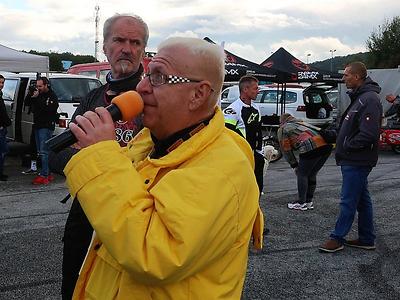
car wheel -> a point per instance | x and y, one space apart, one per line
396 148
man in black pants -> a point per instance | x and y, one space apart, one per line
125 39
244 117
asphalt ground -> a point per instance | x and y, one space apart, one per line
289 267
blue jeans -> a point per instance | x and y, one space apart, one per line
3 147
41 136
355 197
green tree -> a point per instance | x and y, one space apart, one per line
56 58
384 44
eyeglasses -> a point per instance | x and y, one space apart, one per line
157 79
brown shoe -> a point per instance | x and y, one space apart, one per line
358 244
331 246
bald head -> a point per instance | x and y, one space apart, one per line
199 60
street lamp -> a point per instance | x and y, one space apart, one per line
332 51
308 55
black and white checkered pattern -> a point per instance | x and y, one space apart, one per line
177 79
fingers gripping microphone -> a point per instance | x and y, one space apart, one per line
123 107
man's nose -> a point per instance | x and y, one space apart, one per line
126 47
144 86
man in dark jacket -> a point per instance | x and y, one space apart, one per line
125 39
43 104
357 154
4 123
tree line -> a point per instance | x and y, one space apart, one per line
55 59
383 50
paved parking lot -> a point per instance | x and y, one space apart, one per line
289 267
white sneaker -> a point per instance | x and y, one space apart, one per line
297 206
30 171
310 205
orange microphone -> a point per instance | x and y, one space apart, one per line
123 107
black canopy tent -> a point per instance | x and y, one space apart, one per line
283 61
236 67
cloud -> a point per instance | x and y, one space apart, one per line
251 29
246 51
318 47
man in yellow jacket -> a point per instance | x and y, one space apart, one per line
174 211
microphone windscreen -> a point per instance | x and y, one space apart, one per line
130 104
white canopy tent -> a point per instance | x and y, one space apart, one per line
12 60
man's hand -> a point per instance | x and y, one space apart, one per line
390 98
93 127
35 94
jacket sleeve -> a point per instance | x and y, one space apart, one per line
231 120
28 100
286 147
58 161
367 132
158 235
259 145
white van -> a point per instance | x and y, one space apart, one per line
70 90
309 104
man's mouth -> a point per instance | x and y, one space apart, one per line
125 59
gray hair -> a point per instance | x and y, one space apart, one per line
110 22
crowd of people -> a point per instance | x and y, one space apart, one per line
145 222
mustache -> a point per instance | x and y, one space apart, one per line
126 57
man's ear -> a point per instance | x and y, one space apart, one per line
104 49
200 95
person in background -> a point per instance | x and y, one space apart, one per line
395 108
125 38
33 155
356 154
244 117
296 135
4 123
32 143
170 210
44 105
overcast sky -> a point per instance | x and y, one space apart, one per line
250 29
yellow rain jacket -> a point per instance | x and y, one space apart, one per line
177 227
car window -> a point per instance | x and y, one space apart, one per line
291 97
270 96
314 98
10 86
259 97
333 97
71 90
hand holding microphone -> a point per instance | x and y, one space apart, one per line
98 126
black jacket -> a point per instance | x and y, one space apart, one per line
44 108
4 119
359 129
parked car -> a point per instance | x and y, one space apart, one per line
97 70
70 90
302 103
